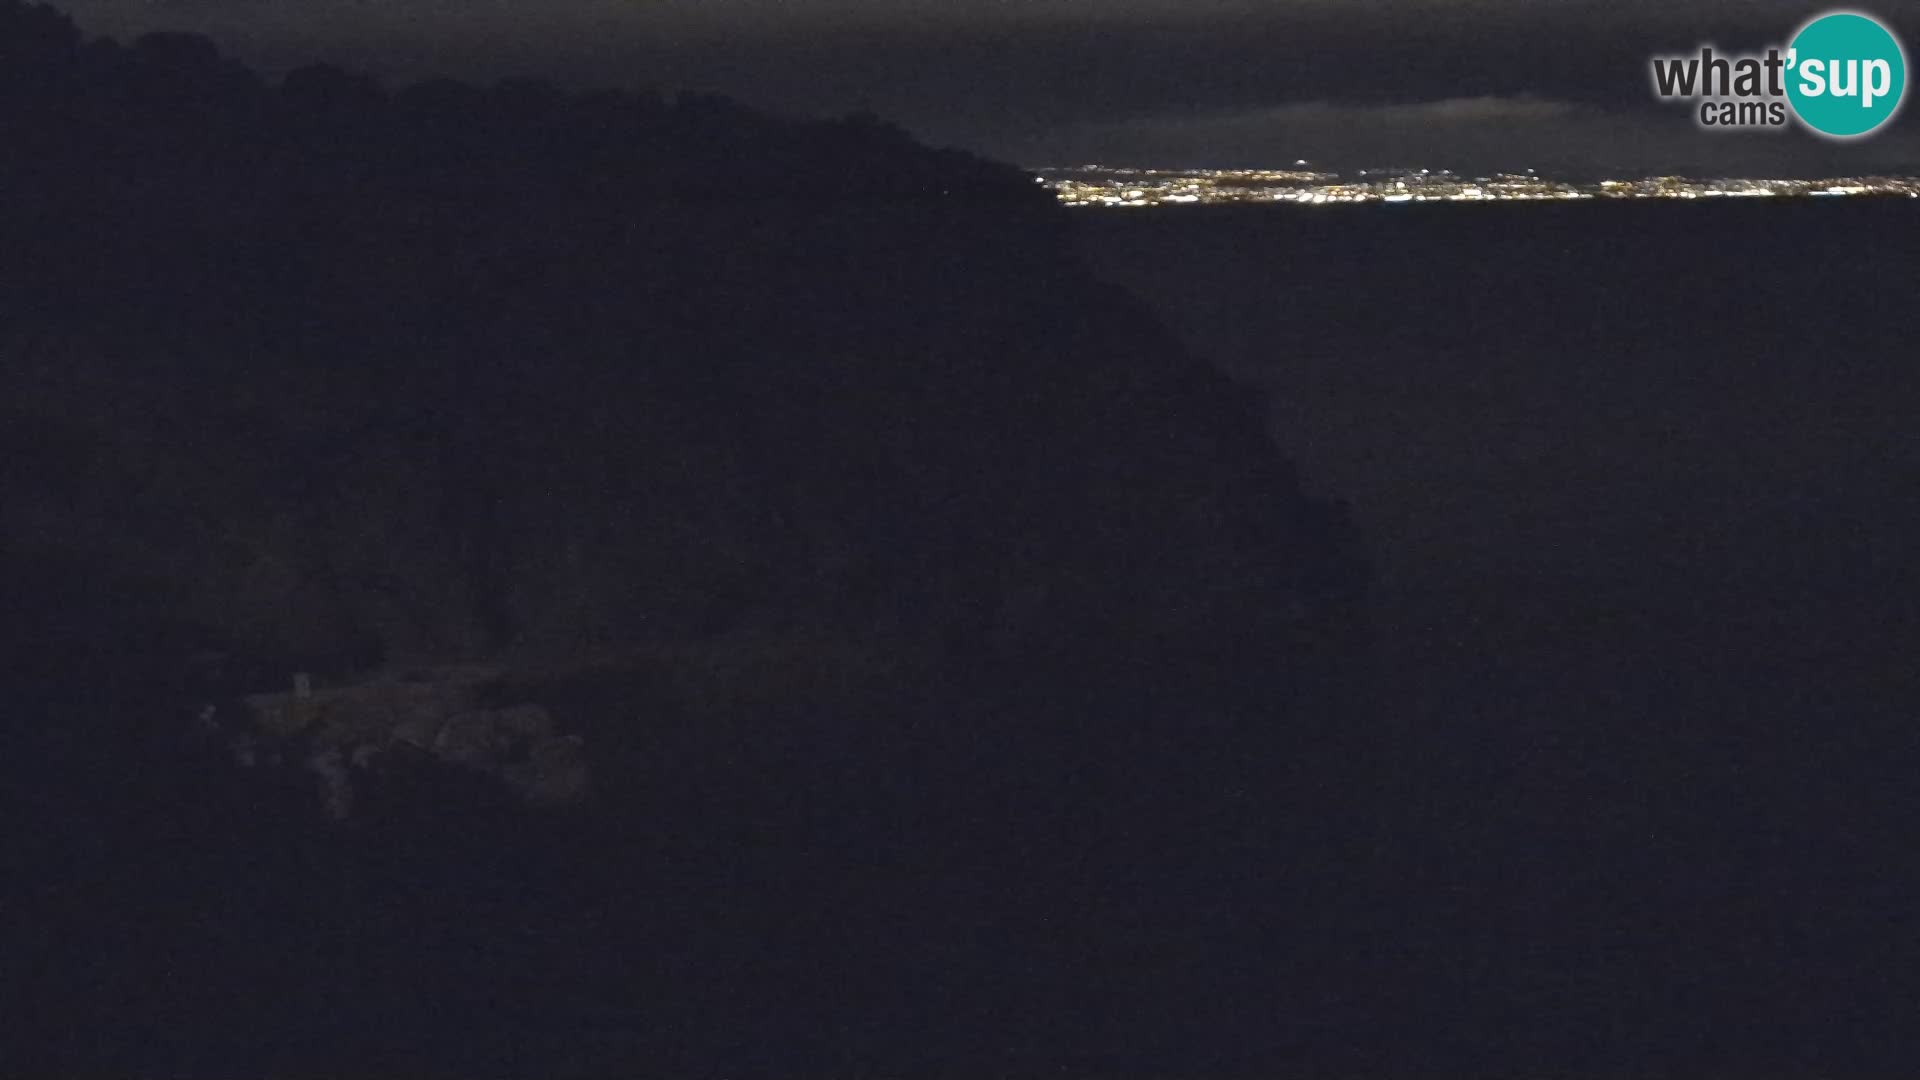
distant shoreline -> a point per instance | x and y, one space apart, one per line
1116 188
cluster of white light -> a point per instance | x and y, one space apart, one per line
1098 186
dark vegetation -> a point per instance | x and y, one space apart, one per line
969 680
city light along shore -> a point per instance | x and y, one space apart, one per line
1102 186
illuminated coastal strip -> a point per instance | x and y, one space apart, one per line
1099 186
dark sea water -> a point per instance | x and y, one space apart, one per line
1643 486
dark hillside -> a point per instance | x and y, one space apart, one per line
966 677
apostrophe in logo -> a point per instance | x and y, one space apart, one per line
1844 75
1847 74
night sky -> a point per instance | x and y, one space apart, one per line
1467 84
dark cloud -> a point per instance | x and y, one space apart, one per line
1475 135
1040 80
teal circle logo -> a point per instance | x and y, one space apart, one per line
1846 74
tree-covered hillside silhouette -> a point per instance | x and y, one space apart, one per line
946 591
